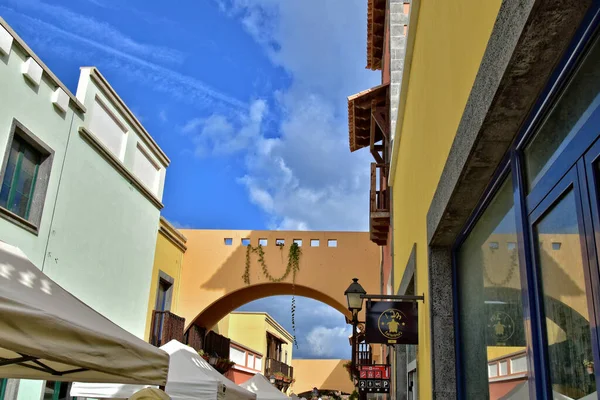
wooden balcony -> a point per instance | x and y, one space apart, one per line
216 345
379 222
273 366
166 326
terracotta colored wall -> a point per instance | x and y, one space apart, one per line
238 376
499 389
322 374
211 278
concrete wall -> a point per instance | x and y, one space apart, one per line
449 43
322 374
212 285
32 107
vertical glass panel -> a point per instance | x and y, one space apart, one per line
490 306
565 300
571 111
9 174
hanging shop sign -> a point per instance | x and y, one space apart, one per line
374 378
392 322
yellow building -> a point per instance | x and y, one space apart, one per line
166 274
259 344
491 216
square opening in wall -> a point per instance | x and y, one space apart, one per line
556 245
262 242
332 243
245 242
279 242
314 242
494 245
298 242
228 241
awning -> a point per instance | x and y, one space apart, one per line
190 377
375 33
361 106
48 334
263 388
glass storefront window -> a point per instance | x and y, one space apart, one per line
490 307
581 97
565 300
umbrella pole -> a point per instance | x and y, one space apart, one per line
162 388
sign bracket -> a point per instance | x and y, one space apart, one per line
369 297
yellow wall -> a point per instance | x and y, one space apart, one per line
451 37
168 257
250 330
322 374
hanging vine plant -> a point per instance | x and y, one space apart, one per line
292 267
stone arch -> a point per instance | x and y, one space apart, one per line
232 301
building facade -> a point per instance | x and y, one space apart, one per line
495 198
259 344
81 191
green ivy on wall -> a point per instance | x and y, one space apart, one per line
292 267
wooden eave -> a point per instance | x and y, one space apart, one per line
375 33
360 115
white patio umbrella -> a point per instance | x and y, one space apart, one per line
48 334
264 390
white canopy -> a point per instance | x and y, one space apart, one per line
48 334
190 377
263 388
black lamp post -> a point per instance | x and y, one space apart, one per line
354 294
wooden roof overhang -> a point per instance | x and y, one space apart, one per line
368 119
375 33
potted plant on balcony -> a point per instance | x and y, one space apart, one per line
202 354
589 365
223 365
279 376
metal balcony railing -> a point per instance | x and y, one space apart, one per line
166 326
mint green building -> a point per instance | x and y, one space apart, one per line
81 189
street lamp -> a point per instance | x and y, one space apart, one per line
272 379
354 294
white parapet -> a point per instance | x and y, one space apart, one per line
60 99
5 41
32 71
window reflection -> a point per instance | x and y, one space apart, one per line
565 300
491 312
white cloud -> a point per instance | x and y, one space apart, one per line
327 342
162 115
305 177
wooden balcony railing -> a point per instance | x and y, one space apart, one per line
216 345
273 366
166 326
379 204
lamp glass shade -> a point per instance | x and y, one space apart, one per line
353 295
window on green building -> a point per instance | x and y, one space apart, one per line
20 175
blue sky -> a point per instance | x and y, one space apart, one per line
247 98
